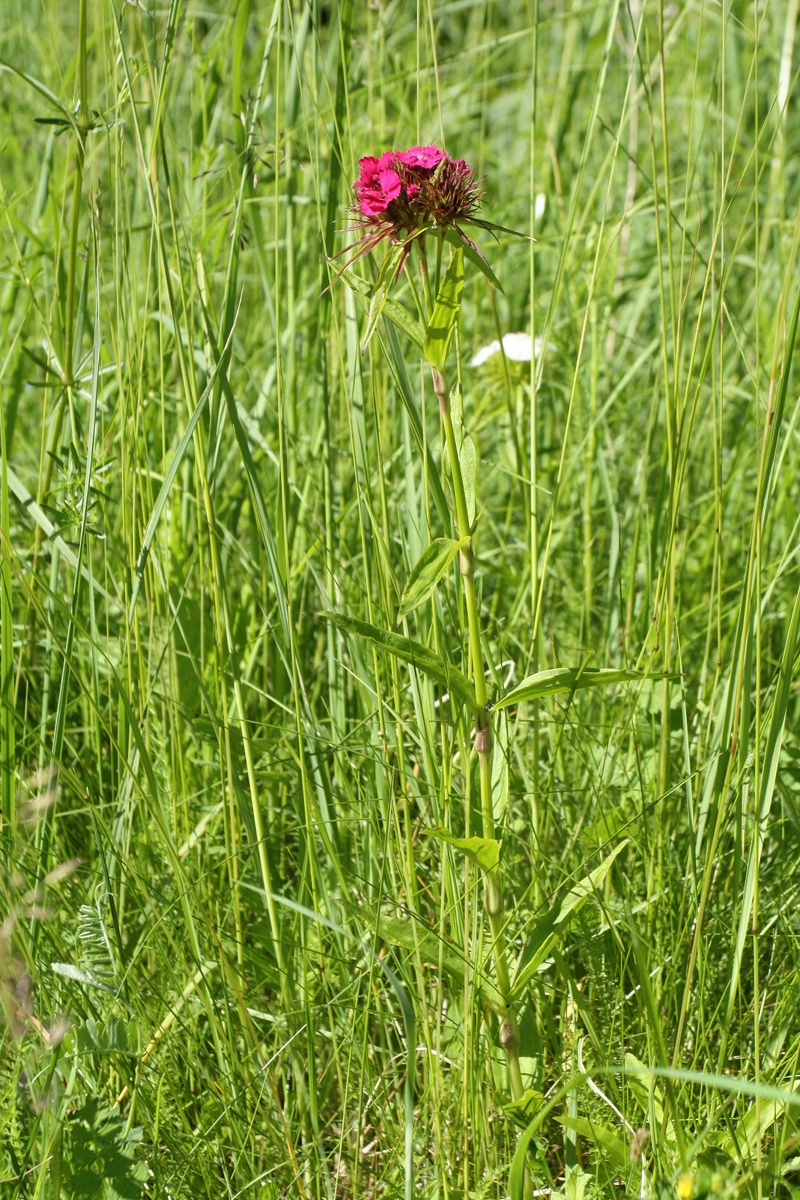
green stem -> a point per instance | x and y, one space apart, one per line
493 892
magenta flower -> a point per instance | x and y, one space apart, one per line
405 194
426 157
377 185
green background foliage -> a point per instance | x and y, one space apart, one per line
231 963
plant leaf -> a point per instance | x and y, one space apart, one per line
468 457
380 293
500 770
419 656
69 971
648 1094
474 257
439 332
563 679
617 1151
521 1111
493 227
516 1174
17 488
434 948
549 928
392 309
483 851
457 417
426 573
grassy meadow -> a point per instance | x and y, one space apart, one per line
248 945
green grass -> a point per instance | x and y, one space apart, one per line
269 981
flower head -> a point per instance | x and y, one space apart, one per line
455 196
406 193
517 347
685 1186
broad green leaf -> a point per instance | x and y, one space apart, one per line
483 851
435 948
618 1152
751 1129
392 309
439 332
457 411
403 319
426 573
575 1184
563 679
380 292
419 656
550 927
517 1172
454 240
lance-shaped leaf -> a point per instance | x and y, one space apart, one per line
618 1152
469 469
419 656
494 228
380 292
483 851
550 927
435 948
500 757
426 573
439 332
563 679
392 309
521 1111
474 256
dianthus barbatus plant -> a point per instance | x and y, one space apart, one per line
405 194
413 199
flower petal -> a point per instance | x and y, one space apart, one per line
484 354
425 157
517 347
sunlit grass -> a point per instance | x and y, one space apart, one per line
213 801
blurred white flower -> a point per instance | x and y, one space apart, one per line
538 206
517 348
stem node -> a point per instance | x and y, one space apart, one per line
483 739
509 1034
493 897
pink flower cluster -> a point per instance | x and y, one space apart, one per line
405 194
383 180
